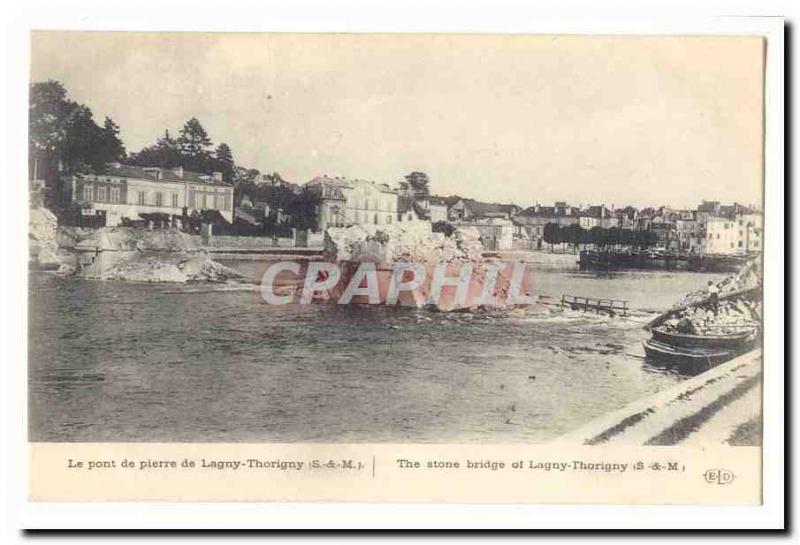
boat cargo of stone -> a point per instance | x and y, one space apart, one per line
701 333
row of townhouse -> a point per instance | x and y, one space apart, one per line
711 228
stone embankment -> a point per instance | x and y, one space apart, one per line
543 259
720 406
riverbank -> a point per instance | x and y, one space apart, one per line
543 259
720 406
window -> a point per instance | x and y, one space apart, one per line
717 236
174 200
740 244
191 199
141 197
755 244
159 199
389 219
101 194
88 193
204 201
375 219
366 203
115 194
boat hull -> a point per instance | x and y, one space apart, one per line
686 361
734 342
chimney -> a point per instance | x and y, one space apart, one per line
217 176
178 171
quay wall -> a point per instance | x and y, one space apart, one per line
543 259
715 407
240 243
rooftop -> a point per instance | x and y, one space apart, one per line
345 182
176 175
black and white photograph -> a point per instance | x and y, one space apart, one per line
395 238
324 266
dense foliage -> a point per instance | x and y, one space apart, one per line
63 135
64 138
600 237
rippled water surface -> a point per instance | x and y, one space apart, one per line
113 361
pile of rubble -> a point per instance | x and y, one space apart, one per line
414 242
732 316
410 242
44 246
748 277
125 253
154 267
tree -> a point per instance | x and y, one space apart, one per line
47 129
303 211
274 179
597 236
223 162
551 234
612 236
63 135
195 146
419 183
586 237
573 234
443 227
112 147
627 237
645 238
245 182
164 154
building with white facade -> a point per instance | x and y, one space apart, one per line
125 191
750 229
738 235
345 202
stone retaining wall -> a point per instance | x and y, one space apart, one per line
707 409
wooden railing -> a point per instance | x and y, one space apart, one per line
609 306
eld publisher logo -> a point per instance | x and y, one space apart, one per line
719 476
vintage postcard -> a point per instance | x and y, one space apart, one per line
393 267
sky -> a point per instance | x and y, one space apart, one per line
502 118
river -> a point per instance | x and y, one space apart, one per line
113 361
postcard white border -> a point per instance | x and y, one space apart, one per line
584 17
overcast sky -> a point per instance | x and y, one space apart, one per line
614 120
